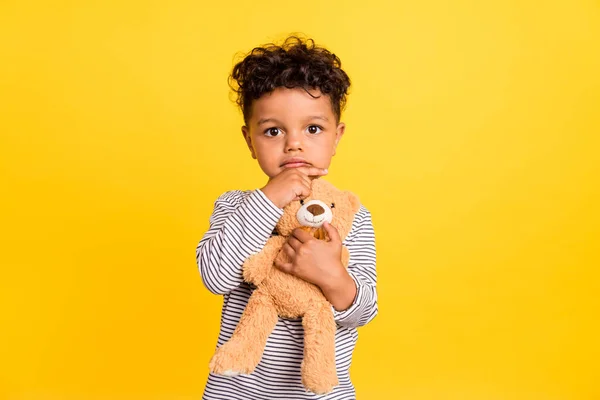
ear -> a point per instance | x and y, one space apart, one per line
248 139
341 128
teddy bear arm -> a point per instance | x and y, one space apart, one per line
257 266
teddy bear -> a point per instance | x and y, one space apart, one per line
278 294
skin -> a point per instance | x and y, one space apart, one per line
289 124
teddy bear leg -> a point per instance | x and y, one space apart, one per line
242 353
319 373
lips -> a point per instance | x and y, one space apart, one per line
295 162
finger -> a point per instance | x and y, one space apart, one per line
300 195
294 243
302 191
306 180
301 172
301 235
314 171
283 266
334 235
289 250
307 186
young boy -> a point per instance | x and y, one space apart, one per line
291 97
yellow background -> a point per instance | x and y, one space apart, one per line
473 138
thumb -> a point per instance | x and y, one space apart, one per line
333 234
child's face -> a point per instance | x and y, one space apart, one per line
288 129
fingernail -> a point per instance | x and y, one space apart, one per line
325 170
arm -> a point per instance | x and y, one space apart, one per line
238 229
340 289
361 269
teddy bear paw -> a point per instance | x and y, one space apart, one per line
228 361
319 385
230 372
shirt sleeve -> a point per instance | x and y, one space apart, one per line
240 225
361 267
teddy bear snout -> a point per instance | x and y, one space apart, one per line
315 209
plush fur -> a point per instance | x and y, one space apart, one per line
280 294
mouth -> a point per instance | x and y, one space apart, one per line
295 163
316 220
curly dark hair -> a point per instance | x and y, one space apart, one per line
296 63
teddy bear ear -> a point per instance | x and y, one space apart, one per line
354 201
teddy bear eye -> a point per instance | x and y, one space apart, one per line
332 205
301 202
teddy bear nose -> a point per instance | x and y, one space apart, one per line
315 209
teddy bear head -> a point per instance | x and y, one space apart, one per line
325 203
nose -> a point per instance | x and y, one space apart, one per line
293 142
315 209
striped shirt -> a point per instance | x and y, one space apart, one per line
240 225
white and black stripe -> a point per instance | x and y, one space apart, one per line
241 224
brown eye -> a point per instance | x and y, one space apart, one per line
301 202
272 132
332 205
314 129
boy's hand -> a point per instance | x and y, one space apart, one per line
291 184
313 260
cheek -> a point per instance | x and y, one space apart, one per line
330 143
328 149
267 145
262 150
324 147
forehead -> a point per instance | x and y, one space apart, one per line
291 104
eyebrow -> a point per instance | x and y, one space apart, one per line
265 120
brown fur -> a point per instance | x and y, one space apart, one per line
284 295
